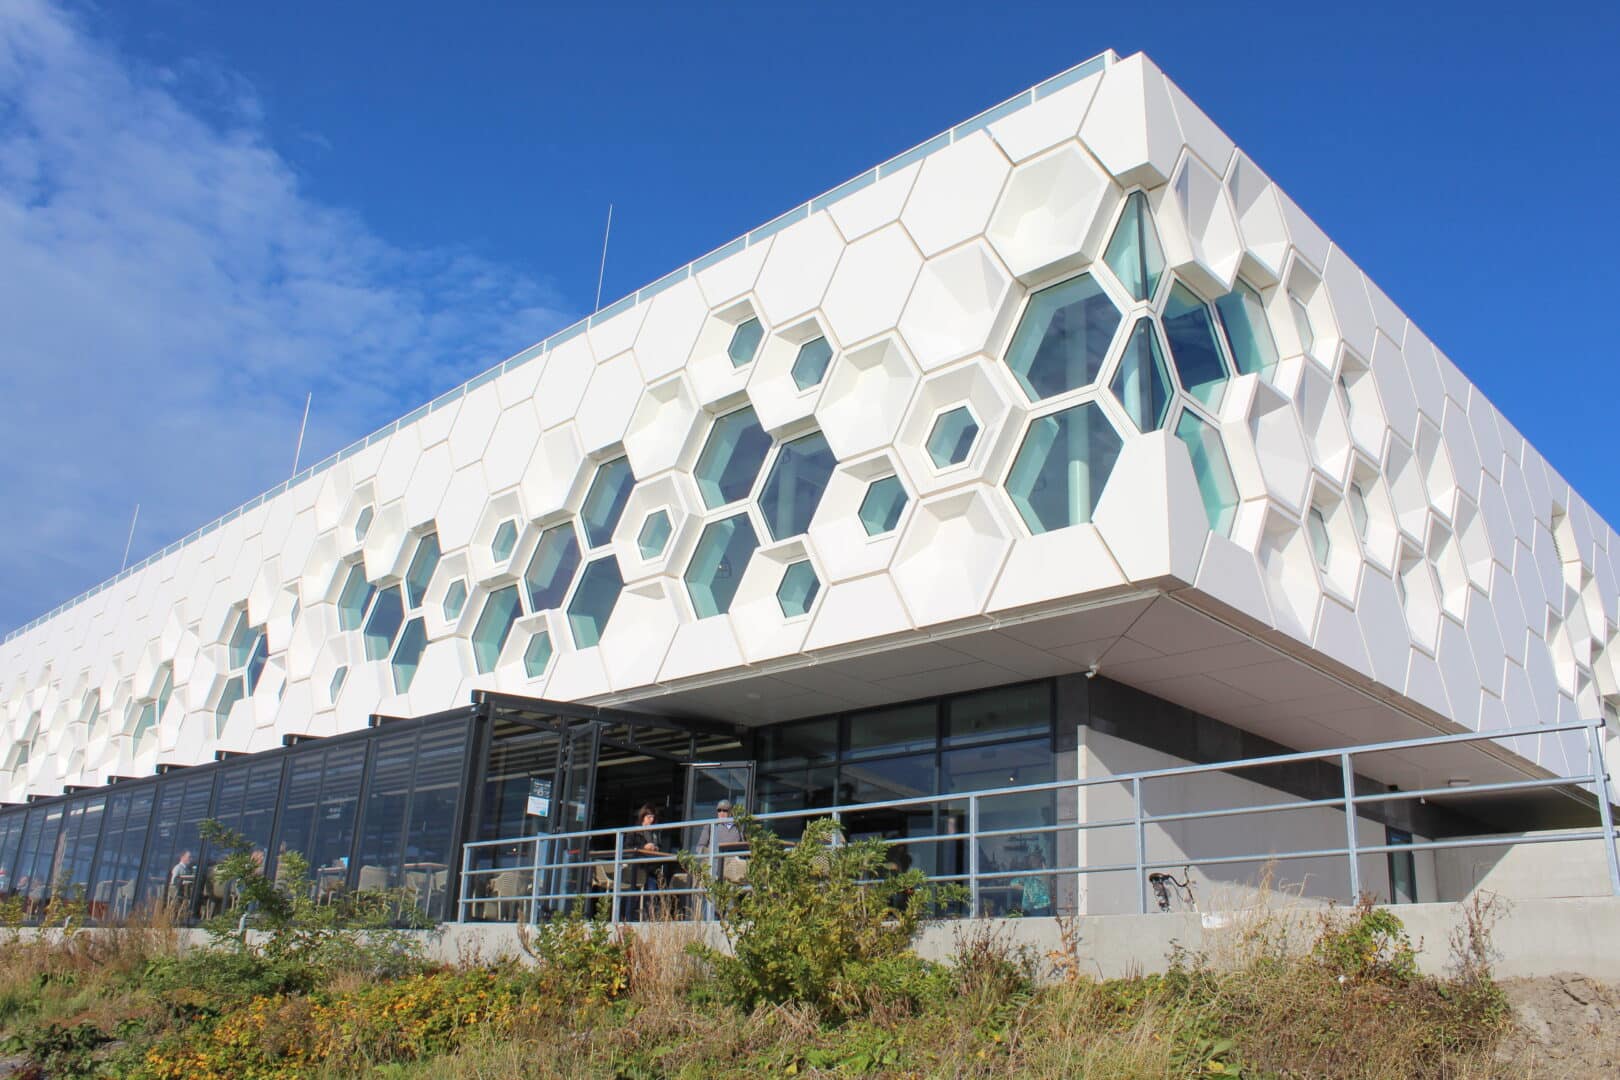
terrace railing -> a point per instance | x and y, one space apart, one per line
527 878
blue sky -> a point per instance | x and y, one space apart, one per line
208 210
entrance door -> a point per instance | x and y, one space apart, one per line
569 811
707 782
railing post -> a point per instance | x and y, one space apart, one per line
973 857
618 876
461 901
534 879
1600 778
1141 848
702 906
1350 826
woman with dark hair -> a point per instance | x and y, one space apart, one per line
645 844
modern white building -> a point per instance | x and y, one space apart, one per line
1062 444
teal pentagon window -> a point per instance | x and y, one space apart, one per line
362 524
455 598
798 589
354 598
951 440
1243 317
1134 254
654 534
717 565
882 505
383 623
1357 499
500 548
1211 468
794 488
1058 476
256 661
242 641
1302 322
1142 383
1317 530
166 688
604 502
745 342
336 686
494 626
408 654
810 365
1193 347
1063 338
552 567
731 458
594 600
537 655
228 698
420 574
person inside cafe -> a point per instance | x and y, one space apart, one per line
645 844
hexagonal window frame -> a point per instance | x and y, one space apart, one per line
1023 354
1050 426
896 510
961 455
707 602
658 524
795 593
810 479
587 627
714 491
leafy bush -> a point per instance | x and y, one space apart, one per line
824 922
1373 943
580 963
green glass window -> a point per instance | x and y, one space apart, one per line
794 488
604 502
408 656
745 342
362 524
353 599
1063 338
386 616
594 600
505 540
810 366
552 567
228 698
882 505
1142 383
336 685
654 534
951 440
1193 347
420 574
455 598
494 626
537 655
1357 498
718 563
1210 466
1058 476
1321 544
1243 317
1134 254
798 589
1302 322
731 459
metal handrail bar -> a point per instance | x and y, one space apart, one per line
588 843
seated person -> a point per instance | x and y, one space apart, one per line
645 843
727 833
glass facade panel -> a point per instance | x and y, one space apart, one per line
1142 385
951 441
1063 338
798 589
11 830
1007 712
1193 346
494 626
654 534
1243 317
420 575
353 599
745 342
81 831
882 505
38 856
412 643
552 567
594 601
1211 469
386 616
500 548
116 875
731 459
387 813
604 502
537 655
1134 254
718 563
891 731
455 598
1058 476
810 366
797 481
169 875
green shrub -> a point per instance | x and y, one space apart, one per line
580 963
815 921
1373 943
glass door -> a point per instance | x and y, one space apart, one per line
568 798
708 782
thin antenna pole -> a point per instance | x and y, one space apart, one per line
298 451
131 539
602 270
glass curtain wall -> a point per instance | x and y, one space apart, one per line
117 871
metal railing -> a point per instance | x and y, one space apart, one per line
528 877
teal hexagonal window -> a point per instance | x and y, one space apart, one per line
455 598
794 488
551 568
1063 338
494 626
228 698
537 655
1058 476
1317 530
1134 254
335 687
604 502
1211 468
951 440
166 687
354 598
500 548
1142 383
383 624
718 563
882 505
256 661
731 458
594 600
408 654
810 366
798 589
745 342
654 534
243 639
1243 317
1193 346
420 574
362 524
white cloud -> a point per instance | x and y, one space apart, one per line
169 295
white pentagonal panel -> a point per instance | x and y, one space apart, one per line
511 445
950 555
1279 447
954 193
555 473
639 635
870 286
1053 216
475 422
866 395
730 278
800 266
1131 126
1260 221
674 318
1050 120
1403 477
659 427
428 484
1322 415
1199 228
463 500
1346 292
617 334
604 413
877 204
1438 478
961 304
398 463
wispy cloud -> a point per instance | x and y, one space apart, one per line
168 295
